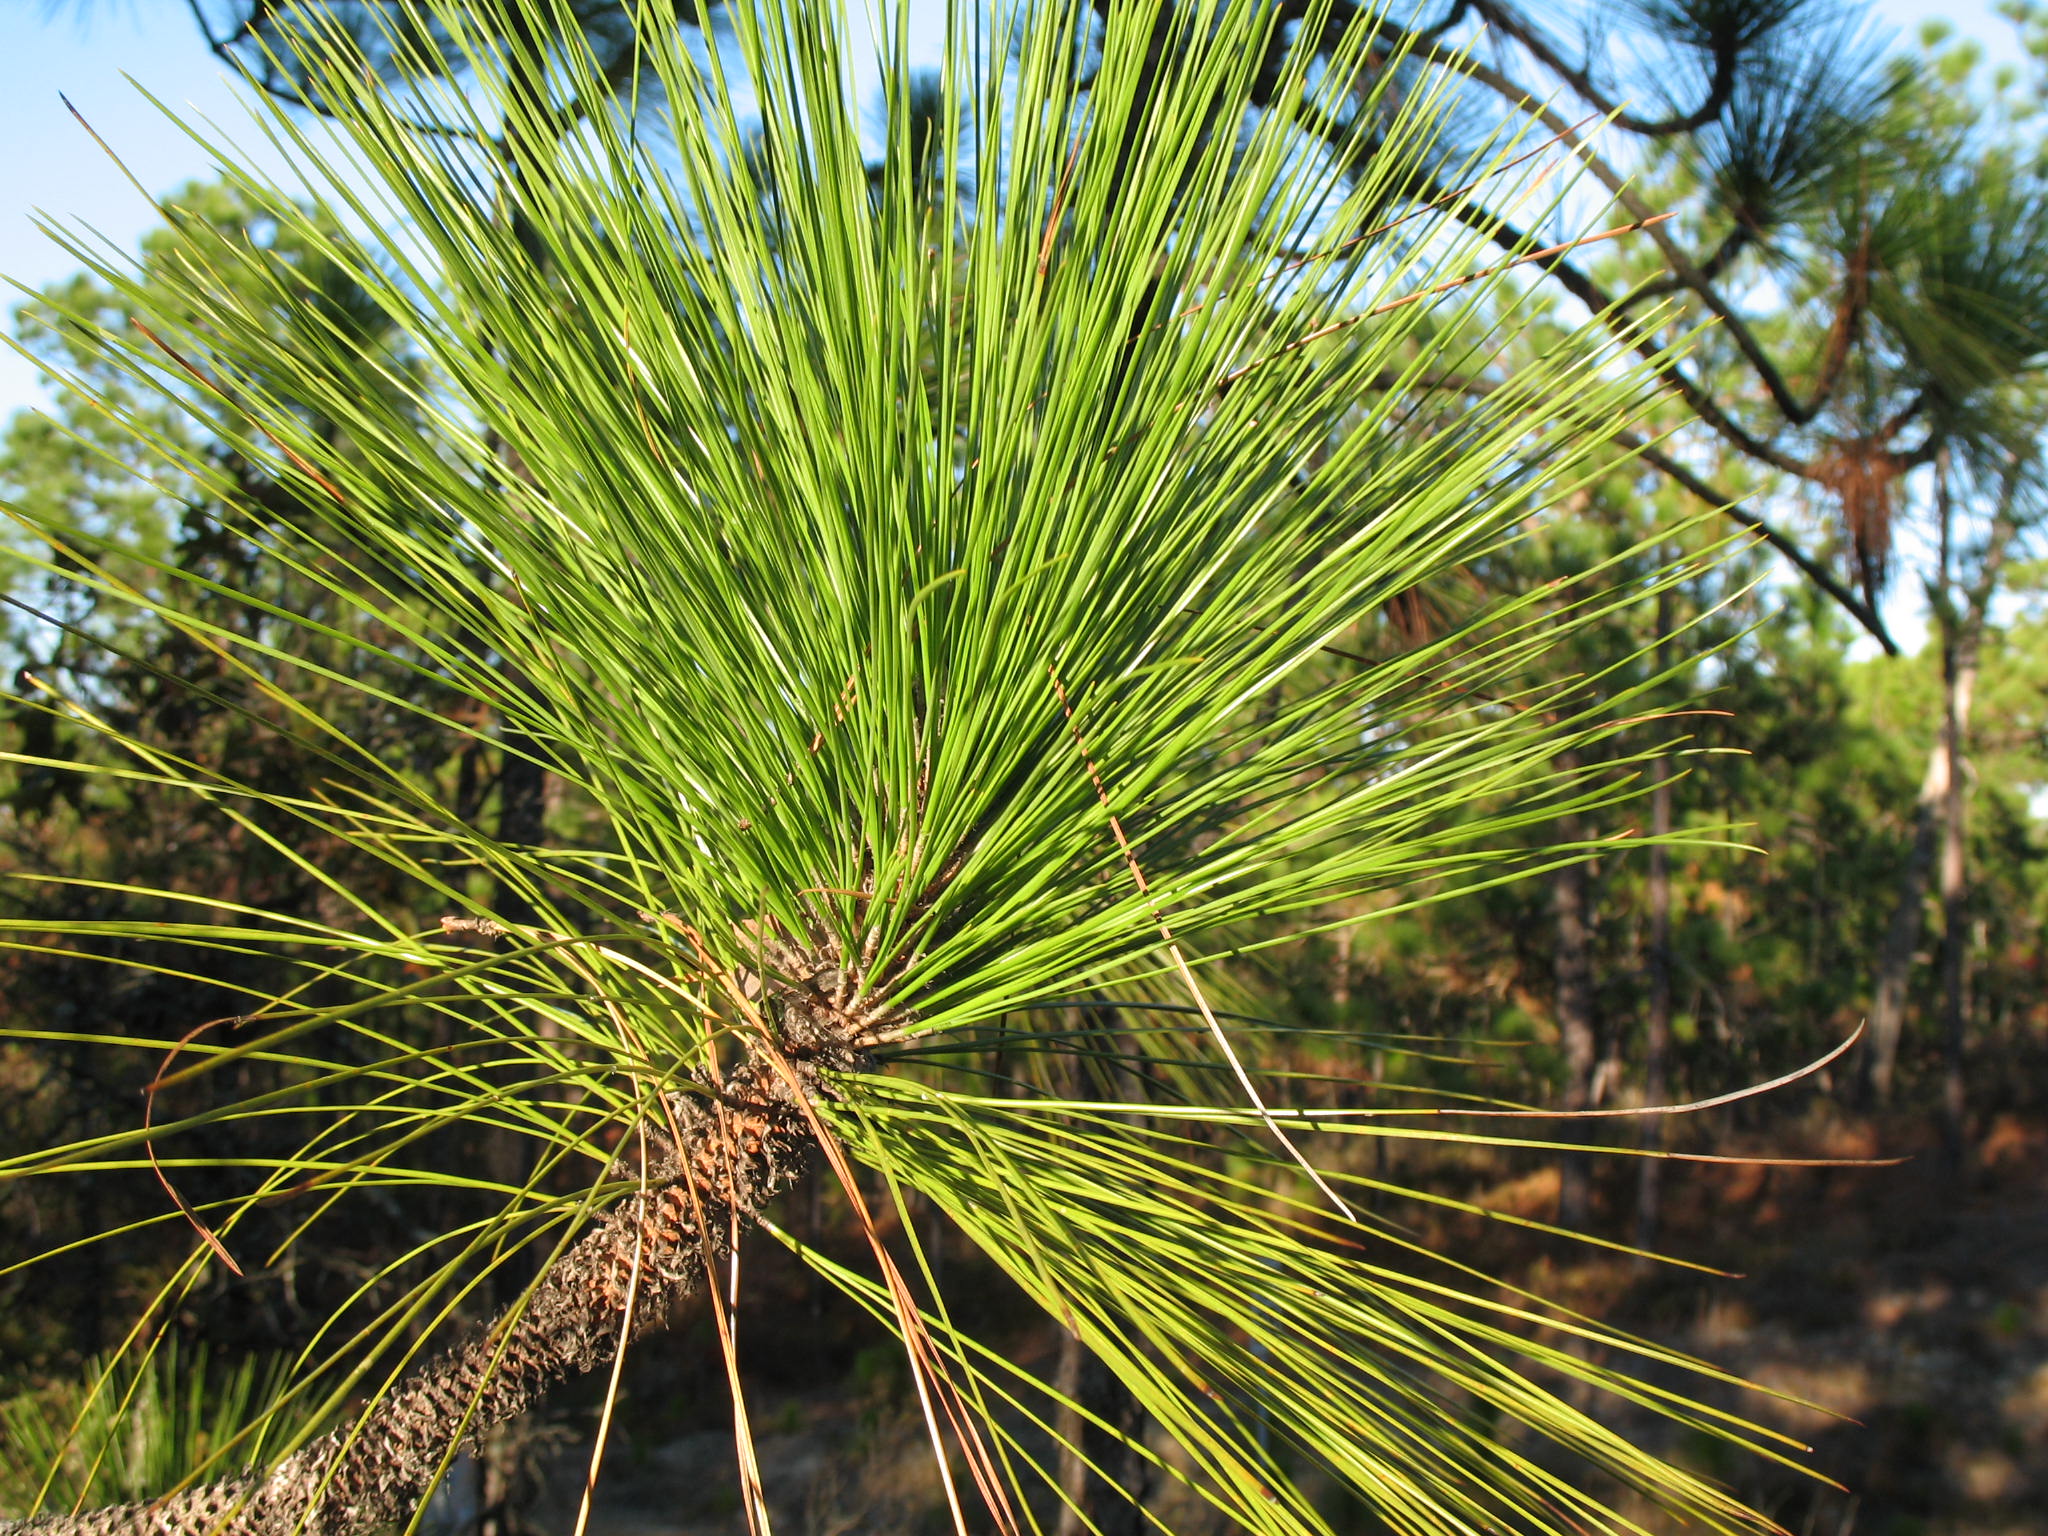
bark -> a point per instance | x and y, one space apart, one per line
522 814
1902 936
738 1149
1959 685
1940 810
1340 981
1657 1027
1096 1396
1572 902
1092 1504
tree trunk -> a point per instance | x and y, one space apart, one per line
506 1158
737 1152
1096 1461
1959 682
522 780
1902 937
1340 979
522 814
1941 807
1657 1027
1572 901
1099 1399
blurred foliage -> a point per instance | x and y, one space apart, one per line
1814 760
131 1428
94 848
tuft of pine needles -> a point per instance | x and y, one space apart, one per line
926 558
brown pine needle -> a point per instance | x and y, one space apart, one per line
208 385
753 1503
206 1233
927 1369
119 164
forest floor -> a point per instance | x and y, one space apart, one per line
1914 1309
1909 1300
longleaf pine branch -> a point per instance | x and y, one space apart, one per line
916 639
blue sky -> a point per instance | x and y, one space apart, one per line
84 50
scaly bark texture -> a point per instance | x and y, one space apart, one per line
738 1148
